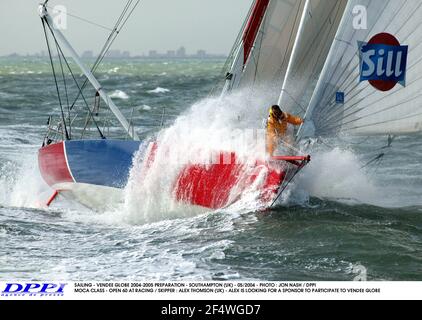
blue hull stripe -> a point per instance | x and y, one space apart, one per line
101 162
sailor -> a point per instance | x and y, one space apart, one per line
277 127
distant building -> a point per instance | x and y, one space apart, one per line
13 55
153 54
181 52
113 54
171 54
201 54
87 54
125 54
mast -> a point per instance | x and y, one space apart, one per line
59 35
294 50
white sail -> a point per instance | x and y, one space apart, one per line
366 109
264 52
320 22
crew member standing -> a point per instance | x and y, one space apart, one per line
277 127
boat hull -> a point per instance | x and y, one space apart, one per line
218 185
94 172
91 171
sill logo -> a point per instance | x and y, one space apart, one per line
33 289
383 62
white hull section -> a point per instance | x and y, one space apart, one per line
95 197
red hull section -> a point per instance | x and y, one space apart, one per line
218 185
53 165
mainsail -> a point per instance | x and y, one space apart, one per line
344 103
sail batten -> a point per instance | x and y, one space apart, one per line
367 109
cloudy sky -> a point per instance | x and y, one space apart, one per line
160 25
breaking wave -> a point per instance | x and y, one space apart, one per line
119 94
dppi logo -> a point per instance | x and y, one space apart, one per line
46 289
383 62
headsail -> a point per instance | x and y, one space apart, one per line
264 50
320 21
343 100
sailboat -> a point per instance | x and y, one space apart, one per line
348 67
94 171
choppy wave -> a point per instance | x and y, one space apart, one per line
159 90
146 107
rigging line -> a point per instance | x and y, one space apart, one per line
340 60
378 164
79 18
96 64
376 159
55 78
232 55
119 25
113 32
287 184
67 95
111 38
130 13
74 79
119 20
89 110
332 105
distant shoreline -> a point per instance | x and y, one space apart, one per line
217 57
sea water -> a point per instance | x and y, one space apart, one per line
338 217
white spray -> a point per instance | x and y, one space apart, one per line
219 125
21 184
210 126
